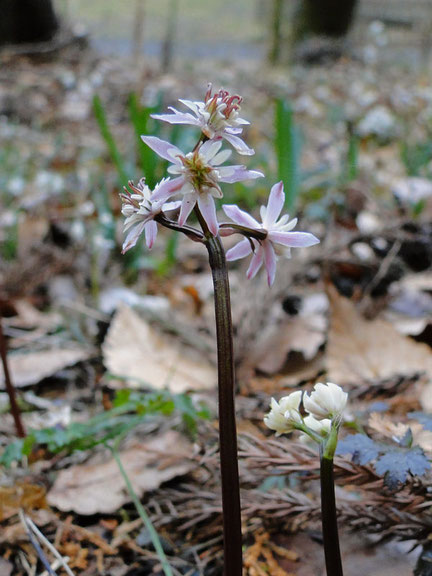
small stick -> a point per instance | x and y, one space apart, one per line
36 545
32 526
15 410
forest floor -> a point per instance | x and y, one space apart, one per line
100 342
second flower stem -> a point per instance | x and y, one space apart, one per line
231 510
329 520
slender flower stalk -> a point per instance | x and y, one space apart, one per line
196 178
324 405
332 553
227 422
15 410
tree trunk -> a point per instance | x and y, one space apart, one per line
324 17
27 21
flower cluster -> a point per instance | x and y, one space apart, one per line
195 178
324 407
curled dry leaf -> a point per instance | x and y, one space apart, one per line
135 350
97 487
360 350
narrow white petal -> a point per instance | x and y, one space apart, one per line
221 157
274 206
237 173
240 216
164 149
293 239
209 149
270 261
208 210
187 205
238 144
240 250
132 238
150 229
177 118
255 263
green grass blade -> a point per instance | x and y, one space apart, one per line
287 148
107 135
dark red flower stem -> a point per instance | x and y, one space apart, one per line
16 413
332 553
231 510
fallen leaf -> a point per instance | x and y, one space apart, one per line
360 350
98 487
133 349
30 368
304 333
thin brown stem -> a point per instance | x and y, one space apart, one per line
15 411
231 510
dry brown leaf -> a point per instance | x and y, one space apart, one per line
385 426
135 350
97 487
298 334
30 368
360 350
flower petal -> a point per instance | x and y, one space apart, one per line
188 202
240 250
150 229
269 261
209 149
255 263
240 216
293 239
221 157
237 173
164 149
132 238
167 189
194 106
208 210
238 144
274 206
177 118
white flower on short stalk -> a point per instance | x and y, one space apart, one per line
217 117
326 401
279 237
140 212
198 174
284 415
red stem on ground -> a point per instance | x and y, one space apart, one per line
15 410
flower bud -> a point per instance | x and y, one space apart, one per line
325 401
285 414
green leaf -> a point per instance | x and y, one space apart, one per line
113 150
287 147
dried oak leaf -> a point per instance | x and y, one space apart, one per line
98 487
360 350
30 368
135 350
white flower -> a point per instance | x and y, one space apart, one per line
140 213
279 235
197 176
285 414
325 401
321 427
217 117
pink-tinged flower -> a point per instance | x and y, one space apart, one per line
279 237
140 212
198 174
217 117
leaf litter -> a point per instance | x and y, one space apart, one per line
295 347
